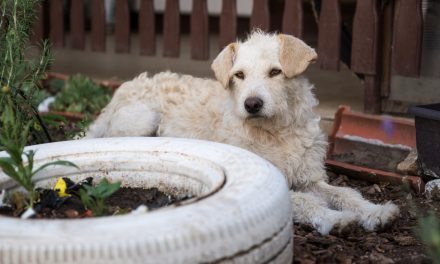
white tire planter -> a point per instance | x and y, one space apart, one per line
242 212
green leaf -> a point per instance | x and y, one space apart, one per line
55 163
7 168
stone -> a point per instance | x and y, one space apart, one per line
432 190
409 166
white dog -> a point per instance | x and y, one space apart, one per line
259 103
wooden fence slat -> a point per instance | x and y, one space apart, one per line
98 25
329 37
199 30
38 28
171 29
260 17
293 18
77 24
122 26
365 50
228 23
56 34
407 42
365 37
147 28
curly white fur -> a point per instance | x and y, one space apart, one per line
285 130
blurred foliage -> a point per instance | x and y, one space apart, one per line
81 95
21 75
429 232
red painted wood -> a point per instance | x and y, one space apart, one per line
122 26
56 33
171 29
260 17
77 34
407 42
199 30
293 18
365 37
228 23
147 32
329 39
98 25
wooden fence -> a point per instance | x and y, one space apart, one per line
385 40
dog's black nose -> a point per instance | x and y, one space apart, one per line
253 105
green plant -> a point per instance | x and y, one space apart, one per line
81 95
20 73
19 165
429 231
94 197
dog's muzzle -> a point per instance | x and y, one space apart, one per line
253 105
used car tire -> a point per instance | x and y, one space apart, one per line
241 212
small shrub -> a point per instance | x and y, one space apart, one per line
94 197
20 164
81 95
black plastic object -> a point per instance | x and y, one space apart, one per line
427 118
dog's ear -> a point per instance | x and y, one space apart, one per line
295 55
223 64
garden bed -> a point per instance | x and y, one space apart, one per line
397 243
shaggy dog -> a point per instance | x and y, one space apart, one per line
260 103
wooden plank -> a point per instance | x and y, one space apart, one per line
228 23
329 38
385 58
56 34
365 51
365 37
372 98
407 41
39 26
199 30
260 17
97 37
122 26
293 18
147 28
77 24
171 29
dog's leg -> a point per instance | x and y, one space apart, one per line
134 119
371 215
309 208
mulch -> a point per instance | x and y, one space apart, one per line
396 243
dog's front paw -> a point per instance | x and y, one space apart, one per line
379 215
336 221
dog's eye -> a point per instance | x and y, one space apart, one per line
274 72
239 75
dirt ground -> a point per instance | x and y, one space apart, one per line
397 243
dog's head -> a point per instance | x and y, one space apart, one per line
258 72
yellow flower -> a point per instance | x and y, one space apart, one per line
60 188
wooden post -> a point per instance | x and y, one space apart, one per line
199 30
56 34
147 31
329 39
407 41
171 29
365 52
260 17
293 18
122 26
98 26
39 26
228 23
77 24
